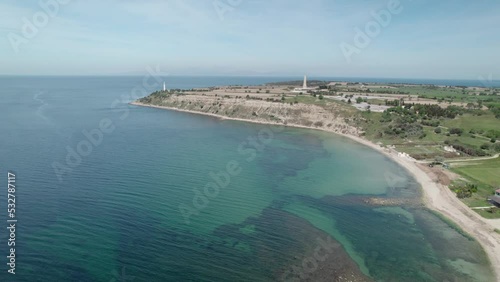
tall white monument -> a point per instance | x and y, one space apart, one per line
304 87
164 87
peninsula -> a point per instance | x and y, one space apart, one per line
445 136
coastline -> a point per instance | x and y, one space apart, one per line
435 196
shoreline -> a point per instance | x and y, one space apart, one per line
435 196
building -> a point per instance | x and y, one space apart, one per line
496 198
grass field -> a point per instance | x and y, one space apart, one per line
468 122
485 172
455 94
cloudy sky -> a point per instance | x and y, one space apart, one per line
423 38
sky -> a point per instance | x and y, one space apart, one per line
447 39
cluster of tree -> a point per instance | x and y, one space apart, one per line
275 100
360 100
457 131
437 111
394 103
160 94
433 122
494 147
493 134
466 149
146 99
155 95
495 109
401 124
200 90
465 190
381 91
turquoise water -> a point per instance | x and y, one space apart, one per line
135 207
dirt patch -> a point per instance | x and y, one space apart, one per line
439 175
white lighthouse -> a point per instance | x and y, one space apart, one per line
164 87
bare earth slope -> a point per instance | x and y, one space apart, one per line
330 117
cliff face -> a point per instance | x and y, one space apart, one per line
327 116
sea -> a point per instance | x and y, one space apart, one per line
108 191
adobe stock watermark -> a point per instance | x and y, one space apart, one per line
222 179
30 28
487 82
121 277
224 6
94 137
311 263
364 37
394 180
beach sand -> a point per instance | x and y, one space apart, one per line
436 196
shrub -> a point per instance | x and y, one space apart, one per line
433 123
437 130
466 191
496 147
457 131
485 146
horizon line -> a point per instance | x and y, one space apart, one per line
222 75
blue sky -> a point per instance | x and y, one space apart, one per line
428 39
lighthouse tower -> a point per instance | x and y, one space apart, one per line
164 87
304 86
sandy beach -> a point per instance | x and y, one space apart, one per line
436 196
